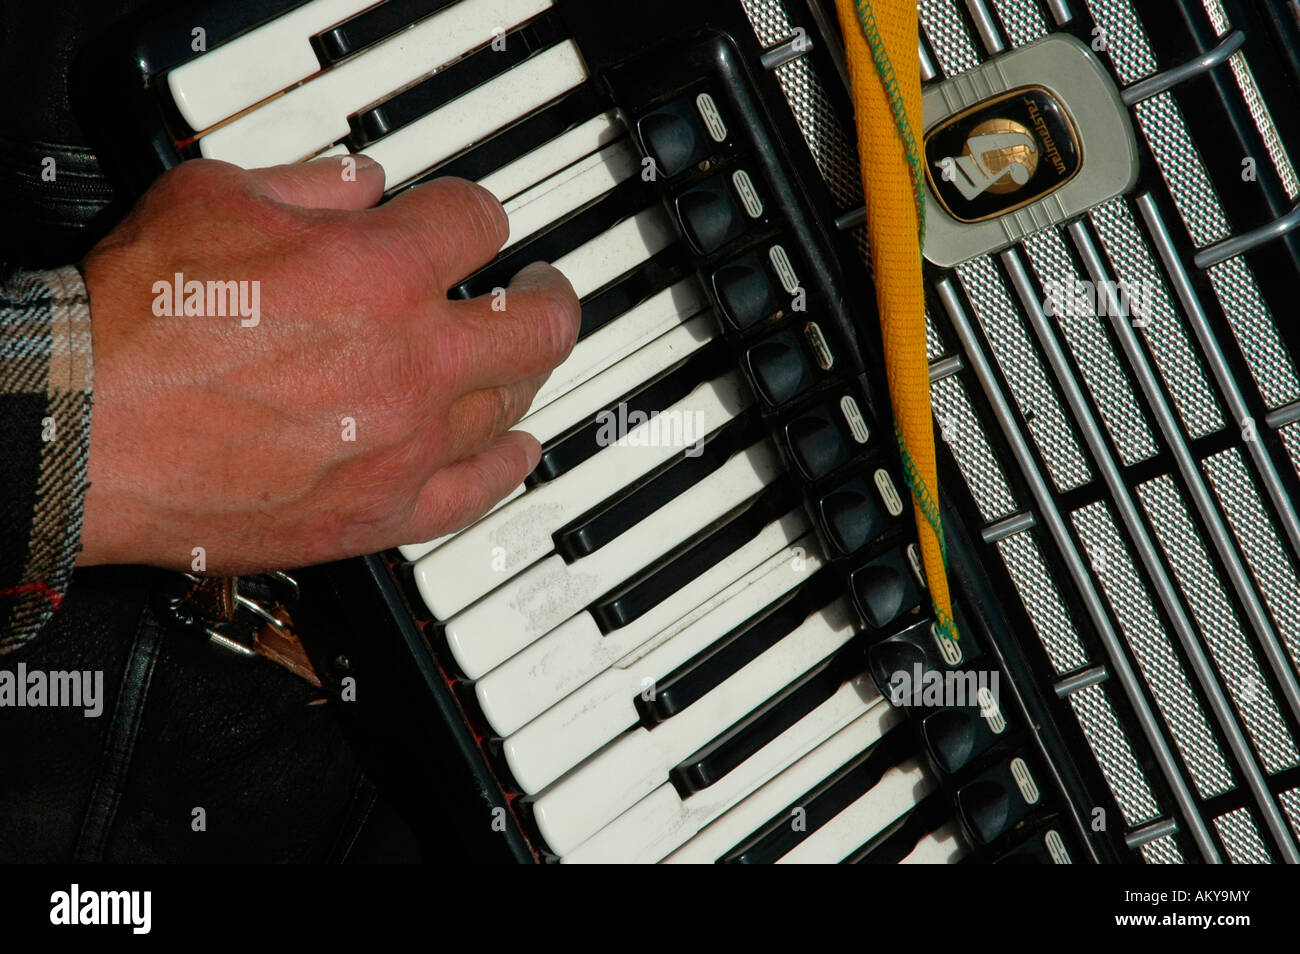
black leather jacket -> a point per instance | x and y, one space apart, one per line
185 725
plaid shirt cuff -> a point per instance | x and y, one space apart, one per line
45 398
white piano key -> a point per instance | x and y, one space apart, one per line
573 717
261 63
519 534
620 337
315 114
598 791
763 803
663 821
897 792
336 150
569 189
633 371
414 148
549 592
634 329
943 846
553 155
413 551
617 250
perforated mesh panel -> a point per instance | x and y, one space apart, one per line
1242 677
1256 334
1241 838
962 431
948 36
1269 564
1042 601
1114 754
1082 331
1036 398
1179 366
1162 851
1021 20
1153 650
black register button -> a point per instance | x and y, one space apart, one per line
884 589
674 137
745 291
852 515
710 214
779 368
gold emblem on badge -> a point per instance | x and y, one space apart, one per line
1009 164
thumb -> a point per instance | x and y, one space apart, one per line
334 182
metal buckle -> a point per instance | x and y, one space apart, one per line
232 634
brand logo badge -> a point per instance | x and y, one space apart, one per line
1001 154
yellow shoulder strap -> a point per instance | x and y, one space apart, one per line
881 44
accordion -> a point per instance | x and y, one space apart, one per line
700 631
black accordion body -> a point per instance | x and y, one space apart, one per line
700 632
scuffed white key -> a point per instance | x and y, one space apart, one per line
496 548
575 717
555 154
620 337
413 551
897 793
598 791
549 592
629 374
762 805
943 846
617 250
663 821
440 134
312 115
261 63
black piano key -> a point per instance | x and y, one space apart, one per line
447 84
621 202
900 839
778 837
656 583
522 137
165 40
657 273
711 763
582 441
596 528
710 668
371 26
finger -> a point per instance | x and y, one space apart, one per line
337 182
462 492
459 226
480 417
525 331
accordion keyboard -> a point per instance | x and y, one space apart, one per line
686 637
